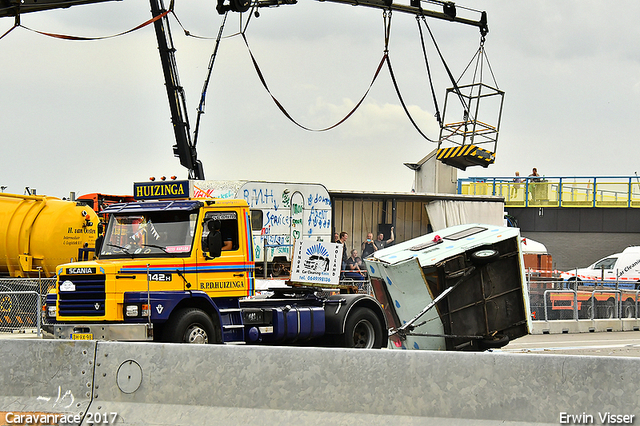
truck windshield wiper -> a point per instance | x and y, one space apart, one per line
124 249
164 249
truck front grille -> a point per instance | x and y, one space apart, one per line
81 295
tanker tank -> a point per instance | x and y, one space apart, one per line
38 233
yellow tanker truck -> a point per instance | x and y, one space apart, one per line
38 233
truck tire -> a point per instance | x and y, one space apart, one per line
628 309
608 309
586 310
362 330
277 268
190 325
573 283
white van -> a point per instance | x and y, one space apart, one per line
623 268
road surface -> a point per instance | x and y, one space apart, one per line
624 343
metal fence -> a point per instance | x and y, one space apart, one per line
21 301
553 300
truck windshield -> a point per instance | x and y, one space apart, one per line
150 234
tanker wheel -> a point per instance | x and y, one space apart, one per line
362 330
190 325
8 302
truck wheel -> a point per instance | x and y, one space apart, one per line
277 269
608 309
572 283
485 255
628 309
362 330
586 310
190 325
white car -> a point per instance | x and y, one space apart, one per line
623 268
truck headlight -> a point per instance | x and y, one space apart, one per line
51 311
132 310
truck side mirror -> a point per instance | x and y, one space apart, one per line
214 244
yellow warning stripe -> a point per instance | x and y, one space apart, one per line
18 319
464 150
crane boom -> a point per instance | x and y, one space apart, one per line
184 148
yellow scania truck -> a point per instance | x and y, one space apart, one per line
175 268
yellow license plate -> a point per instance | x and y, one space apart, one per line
82 336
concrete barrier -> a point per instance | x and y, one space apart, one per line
45 376
584 326
167 384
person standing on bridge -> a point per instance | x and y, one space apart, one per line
516 185
534 177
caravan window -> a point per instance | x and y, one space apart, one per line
256 220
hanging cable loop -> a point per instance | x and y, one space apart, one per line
386 16
426 61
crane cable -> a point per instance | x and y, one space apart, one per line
387 26
426 62
446 67
286 113
206 81
80 38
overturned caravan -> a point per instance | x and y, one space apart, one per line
461 288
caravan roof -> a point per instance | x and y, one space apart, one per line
438 246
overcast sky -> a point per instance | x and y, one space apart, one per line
93 116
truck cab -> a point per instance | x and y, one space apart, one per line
158 249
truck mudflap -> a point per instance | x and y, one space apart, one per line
120 332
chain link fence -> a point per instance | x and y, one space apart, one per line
21 301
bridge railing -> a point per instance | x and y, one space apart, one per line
559 191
